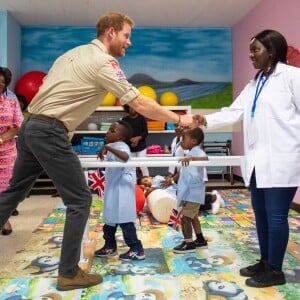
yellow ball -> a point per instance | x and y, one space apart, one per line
168 99
148 91
109 100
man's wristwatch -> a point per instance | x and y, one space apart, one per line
1 141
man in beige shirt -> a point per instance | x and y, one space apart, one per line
71 91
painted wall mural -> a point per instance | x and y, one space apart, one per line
193 63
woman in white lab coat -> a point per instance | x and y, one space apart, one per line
269 106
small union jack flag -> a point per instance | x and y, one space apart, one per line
96 182
175 219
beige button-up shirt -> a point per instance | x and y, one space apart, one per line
77 83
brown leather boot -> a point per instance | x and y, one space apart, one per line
79 281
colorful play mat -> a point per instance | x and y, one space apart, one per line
211 274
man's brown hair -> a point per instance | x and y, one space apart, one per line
112 19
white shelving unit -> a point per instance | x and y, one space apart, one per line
114 113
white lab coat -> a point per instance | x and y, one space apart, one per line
272 136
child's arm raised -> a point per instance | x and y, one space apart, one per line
120 154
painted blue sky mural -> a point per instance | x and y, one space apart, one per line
164 54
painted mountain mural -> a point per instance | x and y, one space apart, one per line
189 92
194 63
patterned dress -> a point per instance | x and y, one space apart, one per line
10 116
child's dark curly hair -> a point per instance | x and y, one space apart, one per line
196 133
139 180
127 130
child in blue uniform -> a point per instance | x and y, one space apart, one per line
119 195
191 191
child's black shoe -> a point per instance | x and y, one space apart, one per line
200 244
132 255
185 248
106 251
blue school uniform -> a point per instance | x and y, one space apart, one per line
119 194
190 184
157 181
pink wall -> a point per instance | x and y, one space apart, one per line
281 15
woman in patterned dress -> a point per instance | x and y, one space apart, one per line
10 120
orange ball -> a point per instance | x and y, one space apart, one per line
118 103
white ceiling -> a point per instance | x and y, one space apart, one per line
161 13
